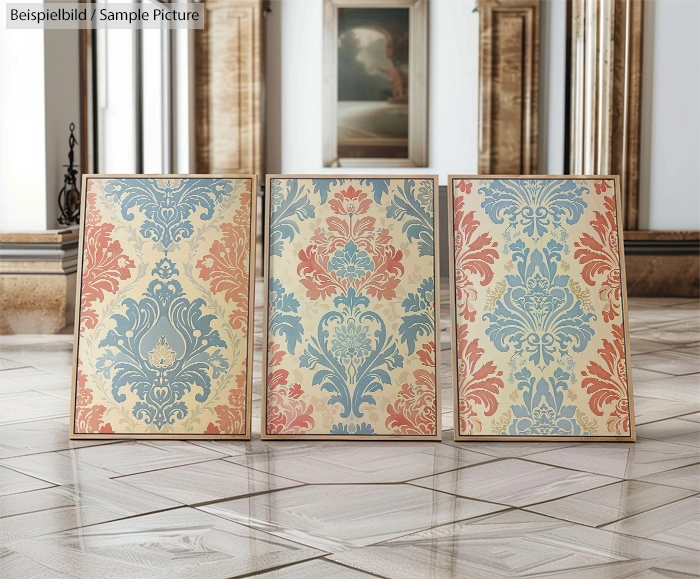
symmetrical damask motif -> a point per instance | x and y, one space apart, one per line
330 319
164 355
541 330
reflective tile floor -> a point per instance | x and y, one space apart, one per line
355 510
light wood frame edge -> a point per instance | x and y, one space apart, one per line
265 320
623 305
72 435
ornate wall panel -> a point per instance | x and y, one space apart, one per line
541 333
228 88
508 86
606 69
352 345
164 328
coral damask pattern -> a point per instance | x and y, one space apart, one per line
351 308
163 345
539 319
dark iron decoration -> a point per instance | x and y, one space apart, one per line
69 195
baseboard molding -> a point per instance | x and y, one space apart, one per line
663 263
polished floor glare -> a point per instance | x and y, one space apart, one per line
315 510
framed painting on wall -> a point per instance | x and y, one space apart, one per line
351 314
375 83
163 331
539 309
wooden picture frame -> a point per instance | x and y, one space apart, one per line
303 250
493 369
138 275
416 92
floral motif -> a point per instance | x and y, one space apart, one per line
414 411
601 256
349 355
350 253
415 210
282 321
474 256
538 315
105 264
543 411
420 314
534 207
162 347
89 417
231 417
351 380
289 205
350 262
287 413
167 204
478 384
607 384
226 267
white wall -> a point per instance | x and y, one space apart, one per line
295 79
22 129
39 98
670 141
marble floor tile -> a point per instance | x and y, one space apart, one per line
182 543
513 482
505 449
39 436
56 468
610 503
672 430
519 544
685 389
654 409
27 406
684 329
106 495
623 460
12 482
18 566
135 457
667 361
687 477
6 364
642 346
371 462
207 481
316 569
677 523
692 417
339 517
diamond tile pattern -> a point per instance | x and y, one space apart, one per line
311 510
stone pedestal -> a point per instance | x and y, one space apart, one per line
37 281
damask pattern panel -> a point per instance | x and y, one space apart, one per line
539 309
164 329
351 313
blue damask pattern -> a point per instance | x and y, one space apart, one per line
534 207
415 210
284 318
420 314
538 316
290 205
161 348
353 353
544 412
168 203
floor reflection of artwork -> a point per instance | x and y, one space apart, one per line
162 345
351 317
541 336
373 80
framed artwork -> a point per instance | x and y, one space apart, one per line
350 326
163 333
539 309
375 83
